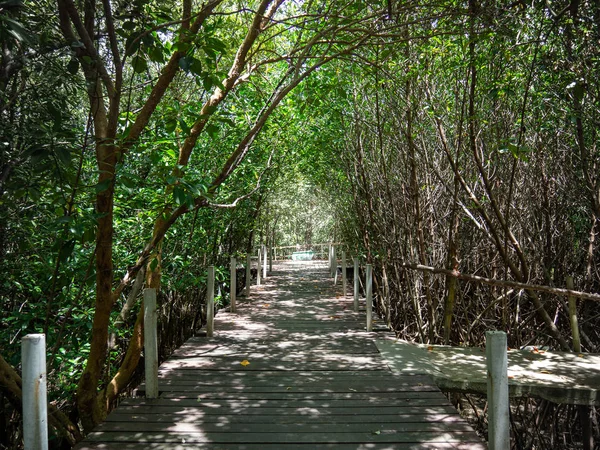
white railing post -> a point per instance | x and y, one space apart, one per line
330 260
248 273
369 283
271 259
210 301
497 391
150 343
233 283
258 267
35 402
356 284
344 280
333 262
265 262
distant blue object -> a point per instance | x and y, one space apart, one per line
303 256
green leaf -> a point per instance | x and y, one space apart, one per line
196 67
185 63
170 125
103 185
66 251
63 155
139 64
212 130
34 194
73 66
156 54
128 182
184 127
179 195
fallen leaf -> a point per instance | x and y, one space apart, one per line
199 399
377 432
430 348
545 371
245 363
580 355
288 388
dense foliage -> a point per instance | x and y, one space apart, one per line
142 141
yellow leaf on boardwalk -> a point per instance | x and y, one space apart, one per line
245 363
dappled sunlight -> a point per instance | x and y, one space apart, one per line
293 366
560 377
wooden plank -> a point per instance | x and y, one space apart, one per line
290 394
283 438
300 411
238 374
288 403
475 445
123 416
175 390
268 428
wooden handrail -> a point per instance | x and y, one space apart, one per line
503 283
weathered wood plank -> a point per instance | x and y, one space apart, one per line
289 403
292 394
283 438
282 363
123 416
267 428
474 445
302 411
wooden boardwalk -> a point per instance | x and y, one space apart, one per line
293 369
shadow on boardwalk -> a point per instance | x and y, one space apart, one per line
293 369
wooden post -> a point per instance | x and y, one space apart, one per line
265 261
233 284
150 343
210 301
369 283
584 410
497 391
344 280
248 273
35 402
573 316
356 284
258 266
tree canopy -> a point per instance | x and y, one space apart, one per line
142 141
